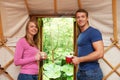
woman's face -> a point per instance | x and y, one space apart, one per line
32 29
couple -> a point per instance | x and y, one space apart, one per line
90 49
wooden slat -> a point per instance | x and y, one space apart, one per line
8 64
40 76
114 13
9 76
113 70
53 15
117 45
109 47
110 65
55 6
76 33
79 4
6 74
4 70
75 47
11 51
1 32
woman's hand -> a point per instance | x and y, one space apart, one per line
37 56
43 55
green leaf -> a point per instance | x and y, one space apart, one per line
52 70
68 69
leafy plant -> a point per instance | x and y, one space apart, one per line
57 43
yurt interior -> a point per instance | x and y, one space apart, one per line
14 15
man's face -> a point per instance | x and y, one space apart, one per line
81 19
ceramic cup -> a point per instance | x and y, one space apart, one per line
69 58
43 55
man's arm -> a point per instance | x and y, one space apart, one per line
97 54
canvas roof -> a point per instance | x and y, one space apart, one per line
103 14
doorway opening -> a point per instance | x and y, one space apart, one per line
57 41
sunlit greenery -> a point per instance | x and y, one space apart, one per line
57 43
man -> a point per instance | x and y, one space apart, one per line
90 49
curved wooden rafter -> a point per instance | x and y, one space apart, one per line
55 6
79 4
28 9
1 32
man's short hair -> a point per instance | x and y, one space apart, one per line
82 10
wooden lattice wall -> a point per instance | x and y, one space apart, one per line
114 41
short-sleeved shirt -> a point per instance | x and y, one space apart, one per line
85 47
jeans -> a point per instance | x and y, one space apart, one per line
94 74
22 76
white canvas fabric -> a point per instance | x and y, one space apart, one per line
15 14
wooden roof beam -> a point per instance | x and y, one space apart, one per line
79 4
28 9
53 15
55 6
114 13
1 30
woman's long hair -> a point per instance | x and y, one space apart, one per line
35 38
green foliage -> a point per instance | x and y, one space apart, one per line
57 43
52 70
68 69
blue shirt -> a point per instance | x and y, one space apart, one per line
85 47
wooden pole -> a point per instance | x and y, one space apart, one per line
55 6
40 75
114 13
1 32
79 4
76 33
75 47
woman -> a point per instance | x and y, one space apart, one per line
27 53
